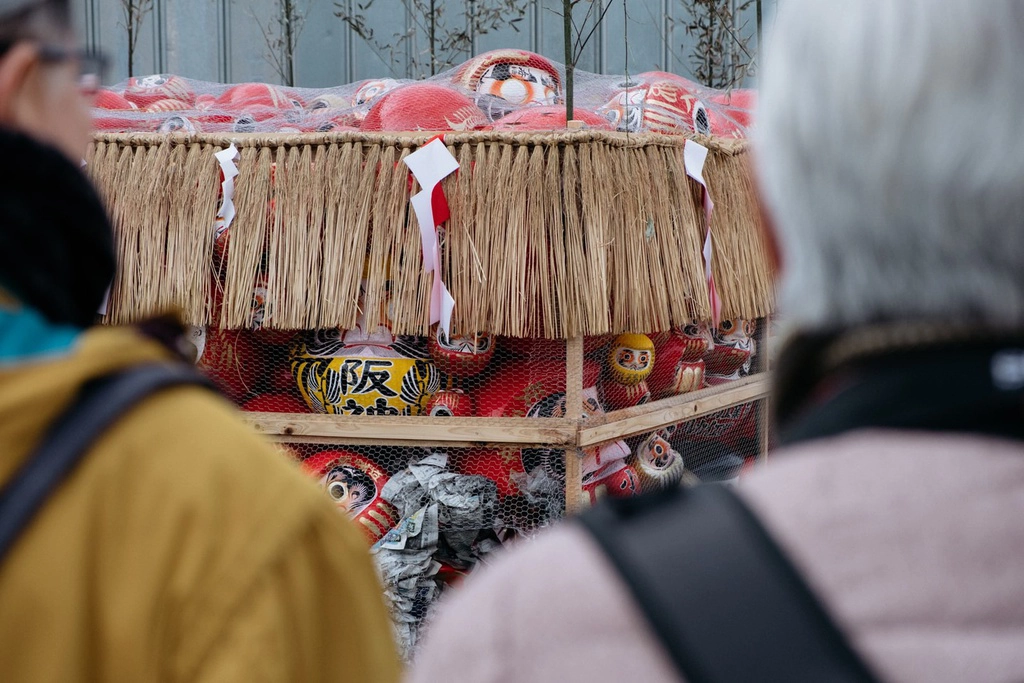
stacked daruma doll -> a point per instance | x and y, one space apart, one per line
354 483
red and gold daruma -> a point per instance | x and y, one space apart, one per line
354 483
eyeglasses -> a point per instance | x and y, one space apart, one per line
91 65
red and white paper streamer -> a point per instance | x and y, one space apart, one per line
694 156
431 164
226 159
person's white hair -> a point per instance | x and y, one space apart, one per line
890 151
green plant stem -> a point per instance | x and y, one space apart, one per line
289 42
131 42
570 67
759 35
433 33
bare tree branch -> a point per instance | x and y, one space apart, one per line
449 35
281 36
597 22
722 57
135 12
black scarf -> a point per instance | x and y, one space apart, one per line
56 244
917 377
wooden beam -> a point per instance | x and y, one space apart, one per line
342 441
574 411
647 418
416 430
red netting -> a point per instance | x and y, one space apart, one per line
497 90
432 514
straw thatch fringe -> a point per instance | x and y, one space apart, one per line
388 216
557 288
463 273
288 273
683 253
552 235
129 293
741 265
344 266
541 313
593 217
340 162
162 201
413 140
498 231
190 233
247 243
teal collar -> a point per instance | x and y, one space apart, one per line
25 336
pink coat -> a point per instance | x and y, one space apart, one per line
914 542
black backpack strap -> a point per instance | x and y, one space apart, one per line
724 600
98 406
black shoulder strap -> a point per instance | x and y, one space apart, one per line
725 602
98 406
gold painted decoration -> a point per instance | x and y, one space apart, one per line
360 373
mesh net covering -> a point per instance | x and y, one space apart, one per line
498 90
312 303
431 513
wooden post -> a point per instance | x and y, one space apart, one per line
574 411
764 365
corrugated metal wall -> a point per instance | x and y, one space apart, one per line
221 40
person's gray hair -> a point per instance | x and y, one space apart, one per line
890 151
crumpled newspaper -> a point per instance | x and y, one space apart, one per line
540 488
445 515
405 561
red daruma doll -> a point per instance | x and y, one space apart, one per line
516 76
354 483
661 103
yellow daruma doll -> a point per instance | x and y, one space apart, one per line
630 359
361 372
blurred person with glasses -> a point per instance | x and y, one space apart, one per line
181 546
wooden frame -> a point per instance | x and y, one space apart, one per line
574 407
570 433
415 431
652 416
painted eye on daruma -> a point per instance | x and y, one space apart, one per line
337 490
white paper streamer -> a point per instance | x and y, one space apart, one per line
106 301
421 206
694 157
226 159
431 164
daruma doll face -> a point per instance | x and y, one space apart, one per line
458 355
518 84
516 76
354 482
631 358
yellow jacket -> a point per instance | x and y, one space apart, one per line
182 548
